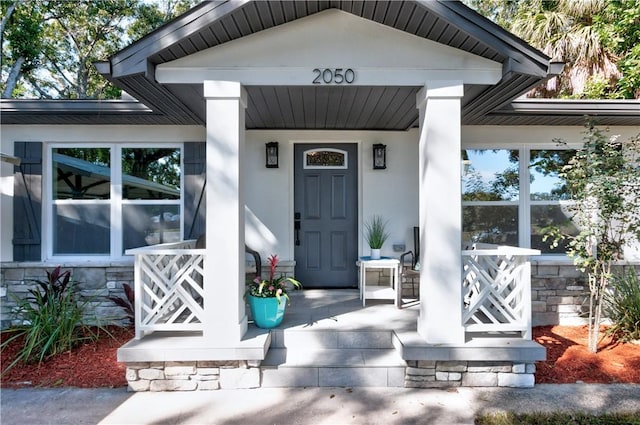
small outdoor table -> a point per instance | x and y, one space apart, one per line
379 292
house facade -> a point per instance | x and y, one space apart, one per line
434 83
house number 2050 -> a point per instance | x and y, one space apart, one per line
334 76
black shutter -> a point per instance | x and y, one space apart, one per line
27 202
195 157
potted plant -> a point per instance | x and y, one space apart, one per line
267 298
376 235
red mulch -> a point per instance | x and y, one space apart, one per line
90 365
94 364
569 360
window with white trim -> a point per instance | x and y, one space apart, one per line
106 199
509 196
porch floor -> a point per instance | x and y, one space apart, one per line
335 322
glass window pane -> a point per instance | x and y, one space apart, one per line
490 175
550 215
150 173
81 173
326 158
490 224
145 225
544 169
81 229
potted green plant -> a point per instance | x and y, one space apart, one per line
376 235
267 298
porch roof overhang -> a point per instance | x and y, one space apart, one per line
391 107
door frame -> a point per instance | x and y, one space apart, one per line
321 141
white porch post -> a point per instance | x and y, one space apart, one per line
440 319
226 320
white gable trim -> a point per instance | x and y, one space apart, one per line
332 39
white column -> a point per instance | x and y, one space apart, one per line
440 320
224 283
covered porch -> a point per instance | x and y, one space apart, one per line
320 73
327 337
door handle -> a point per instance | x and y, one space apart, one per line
296 227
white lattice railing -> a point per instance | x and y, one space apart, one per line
496 288
169 294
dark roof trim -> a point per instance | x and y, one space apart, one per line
573 107
525 59
133 59
74 106
549 112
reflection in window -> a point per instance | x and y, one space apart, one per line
545 167
543 216
81 173
150 225
150 173
550 199
490 193
490 224
492 175
81 229
326 158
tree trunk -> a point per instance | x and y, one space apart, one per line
12 79
592 347
6 17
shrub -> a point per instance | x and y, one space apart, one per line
50 320
127 303
622 306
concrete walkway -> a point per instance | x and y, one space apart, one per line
305 405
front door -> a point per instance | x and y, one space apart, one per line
325 215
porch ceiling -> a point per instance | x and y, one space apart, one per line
328 107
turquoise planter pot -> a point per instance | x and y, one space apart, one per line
266 312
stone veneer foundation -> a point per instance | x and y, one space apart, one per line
445 374
210 375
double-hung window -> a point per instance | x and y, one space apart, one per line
511 196
106 199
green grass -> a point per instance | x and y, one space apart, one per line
558 419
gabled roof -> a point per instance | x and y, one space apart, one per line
213 23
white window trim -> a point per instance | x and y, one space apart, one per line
116 202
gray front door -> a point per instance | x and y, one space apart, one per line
325 215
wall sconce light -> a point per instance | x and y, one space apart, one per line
379 156
271 155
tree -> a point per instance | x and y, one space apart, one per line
603 179
49 46
149 16
21 32
570 31
598 40
623 36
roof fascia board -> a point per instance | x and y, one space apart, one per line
572 107
74 106
133 59
526 59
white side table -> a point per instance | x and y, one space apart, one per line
387 292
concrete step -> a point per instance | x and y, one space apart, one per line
300 338
333 367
